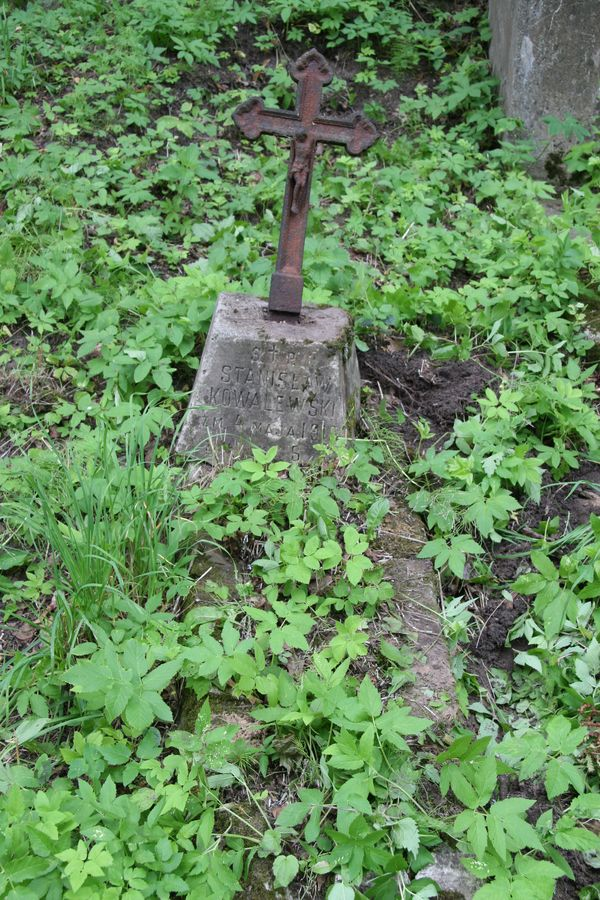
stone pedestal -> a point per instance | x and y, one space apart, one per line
267 379
546 54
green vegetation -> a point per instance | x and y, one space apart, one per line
128 202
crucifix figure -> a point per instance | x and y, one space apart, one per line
305 126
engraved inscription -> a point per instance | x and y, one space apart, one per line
292 391
310 404
216 424
264 385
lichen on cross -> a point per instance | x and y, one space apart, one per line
306 127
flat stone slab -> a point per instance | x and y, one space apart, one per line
267 379
416 600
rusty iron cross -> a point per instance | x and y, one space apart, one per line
306 127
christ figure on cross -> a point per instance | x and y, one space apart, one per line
303 151
306 127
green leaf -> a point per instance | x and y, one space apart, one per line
586 806
271 842
138 715
322 503
87 677
433 548
108 792
84 648
141 371
522 834
158 706
149 746
528 659
398 719
406 835
29 729
341 892
285 869
117 700
574 838
543 565
161 676
463 789
369 697
377 512
478 836
292 814
115 754
536 871
354 542
356 567
162 377
27 868
498 889
497 836
456 562
313 826
330 554
13 559
561 737
556 782
529 583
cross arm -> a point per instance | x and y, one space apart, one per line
356 133
253 119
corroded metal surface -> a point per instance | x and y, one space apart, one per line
306 127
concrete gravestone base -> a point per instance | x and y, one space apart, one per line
268 379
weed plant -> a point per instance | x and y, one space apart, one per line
128 203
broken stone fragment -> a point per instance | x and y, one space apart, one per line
447 871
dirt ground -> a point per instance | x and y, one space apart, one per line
422 388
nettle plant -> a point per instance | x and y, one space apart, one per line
136 811
561 623
307 556
496 458
520 858
123 220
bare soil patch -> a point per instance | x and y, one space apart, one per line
424 388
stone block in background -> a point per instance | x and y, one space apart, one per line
546 54
266 379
